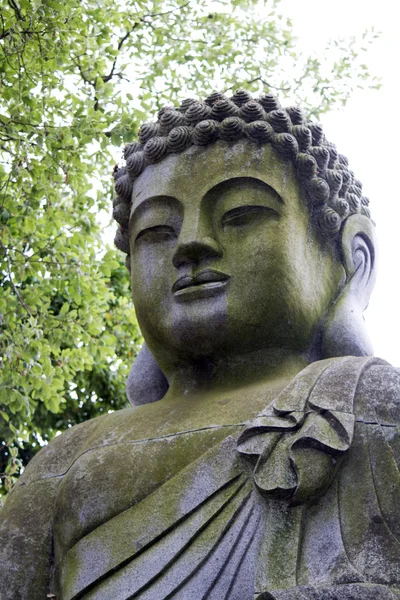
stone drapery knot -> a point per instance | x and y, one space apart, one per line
296 445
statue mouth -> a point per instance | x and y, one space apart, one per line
207 280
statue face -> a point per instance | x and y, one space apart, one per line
224 259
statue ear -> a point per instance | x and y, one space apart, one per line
344 332
146 382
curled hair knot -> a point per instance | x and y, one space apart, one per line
318 190
169 119
335 180
135 164
252 111
186 103
286 145
179 139
214 97
353 189
163 109
365 211
147 131
121 213
279 120
354 202
269 102
222 109
205 132
316 132
123 187
241 97
303 137
259 131
121 240
198 111
329 222
346 181
231 128
119 172
321 155
155 149
341 206
296 115
118 200
333 156
306 165
131 148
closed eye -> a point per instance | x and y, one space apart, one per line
243 215
157 233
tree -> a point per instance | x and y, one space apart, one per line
76 80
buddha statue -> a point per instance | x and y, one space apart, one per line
260 459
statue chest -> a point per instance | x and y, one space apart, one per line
106 480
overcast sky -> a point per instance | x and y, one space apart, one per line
367 131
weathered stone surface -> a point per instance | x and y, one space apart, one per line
261 458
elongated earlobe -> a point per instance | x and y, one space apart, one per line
344 332
146 382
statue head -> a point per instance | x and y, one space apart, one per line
244 228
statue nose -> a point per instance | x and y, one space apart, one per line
195 250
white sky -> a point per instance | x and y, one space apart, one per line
367 133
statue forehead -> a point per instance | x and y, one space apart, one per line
197 170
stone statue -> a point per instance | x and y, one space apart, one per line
261 457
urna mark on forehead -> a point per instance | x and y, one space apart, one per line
331 191
197 172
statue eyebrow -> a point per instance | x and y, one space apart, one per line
147 205
232 181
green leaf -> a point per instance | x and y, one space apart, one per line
64 309
4 415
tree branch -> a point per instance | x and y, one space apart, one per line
4 33
13 4
264 82
82 74
167 12
21 300
121 42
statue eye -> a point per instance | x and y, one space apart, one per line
245 215
158 233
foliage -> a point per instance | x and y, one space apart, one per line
76 79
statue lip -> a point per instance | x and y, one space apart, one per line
207 279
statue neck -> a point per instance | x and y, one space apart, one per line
209 376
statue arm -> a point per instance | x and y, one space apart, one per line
26 540
26 519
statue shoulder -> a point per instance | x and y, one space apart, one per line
54 460
378 394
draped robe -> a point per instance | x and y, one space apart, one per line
302 502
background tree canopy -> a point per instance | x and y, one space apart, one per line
76 80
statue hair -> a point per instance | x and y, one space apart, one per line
332 192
